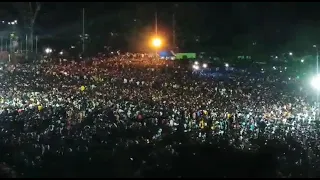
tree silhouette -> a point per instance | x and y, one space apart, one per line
28 12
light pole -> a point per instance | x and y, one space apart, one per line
83 33
157 43
1 43
12 34
317 64
317 51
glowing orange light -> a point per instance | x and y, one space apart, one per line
157 42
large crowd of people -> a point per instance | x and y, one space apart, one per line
135 116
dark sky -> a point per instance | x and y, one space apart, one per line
210 25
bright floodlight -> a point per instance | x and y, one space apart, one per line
315 82
156 42
226 65
48 50
204 65
196 62
196 67
302 60
290 53
61 52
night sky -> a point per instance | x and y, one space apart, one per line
216 26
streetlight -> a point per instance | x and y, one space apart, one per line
156 43
13 23
315 82
290 53
302 60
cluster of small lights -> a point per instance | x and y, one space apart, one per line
48 50
274 68
196 65
10 23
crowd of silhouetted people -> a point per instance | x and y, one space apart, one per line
139 116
